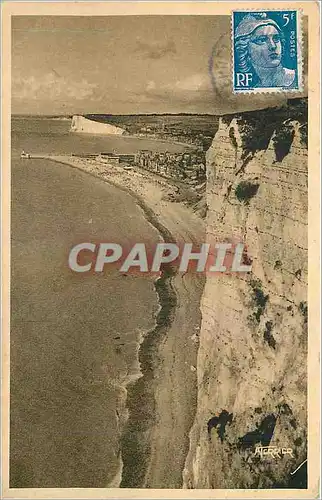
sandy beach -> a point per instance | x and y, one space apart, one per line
164 439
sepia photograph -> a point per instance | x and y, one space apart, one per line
160 329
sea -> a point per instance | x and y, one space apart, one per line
74 339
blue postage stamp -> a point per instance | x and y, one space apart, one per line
266 51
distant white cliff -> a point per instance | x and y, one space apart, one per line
83 125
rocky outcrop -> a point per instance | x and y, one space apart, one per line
252 360
83 125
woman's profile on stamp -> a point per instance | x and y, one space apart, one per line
259 46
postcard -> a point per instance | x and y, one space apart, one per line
160 250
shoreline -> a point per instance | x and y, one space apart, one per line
140 137
131 136
158 139
142 460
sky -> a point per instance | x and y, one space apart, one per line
123 65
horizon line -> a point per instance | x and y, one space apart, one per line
113 114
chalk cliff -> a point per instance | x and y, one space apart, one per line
253 340
81 124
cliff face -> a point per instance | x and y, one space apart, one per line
253 342
81 124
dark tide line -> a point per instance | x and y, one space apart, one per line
136 438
